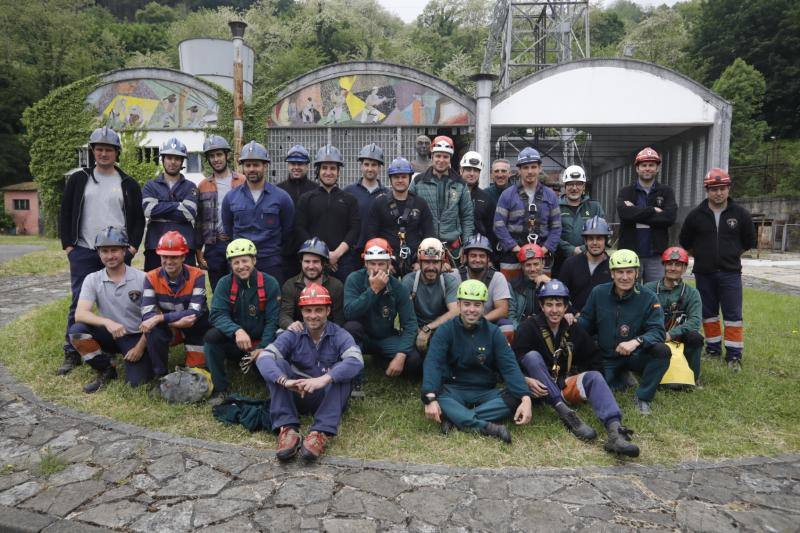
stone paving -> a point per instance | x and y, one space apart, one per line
125 478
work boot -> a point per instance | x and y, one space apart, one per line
619 440
288 443
642 406
102 379
217 398
713 354
629 380
446 425
735 365
314 445
574 424
497 431
71 360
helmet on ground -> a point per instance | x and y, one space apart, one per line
111 236
596 226
314 294
239 247
675 253
716 177
315 246
647 154
215 142
528 155
328 154
105 135
443 143
477 242
172 243
472 289
377 249
371 151
472 160
254 151
573 173
530 251
399 165
553 289
623 259
173 146
185 385
298 154
431 249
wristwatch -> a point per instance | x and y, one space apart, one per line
640 341
428 397
426 329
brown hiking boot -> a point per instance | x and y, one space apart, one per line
314 445
288 443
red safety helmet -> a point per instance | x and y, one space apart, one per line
172 243
716 177
377 249
675 253
530 251
314 294
443 143
647 154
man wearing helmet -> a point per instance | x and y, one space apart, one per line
260 211
212 239
447 196
365 191
373 301
114 328
527 213
576 208
330 214
401 217
170 204
432 291
94 199
526 287
564 367
681 305
465 359
174 304
629 324
313 256
297 183
483 205
244 313
646 210
309 372
581 273
717 232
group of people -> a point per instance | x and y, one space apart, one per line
306 277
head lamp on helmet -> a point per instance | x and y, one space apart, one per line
530 251
675 253
471 160
430 249
573 173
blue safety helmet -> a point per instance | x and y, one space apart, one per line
528 155
371 151
105 135
173 146
254 151
400 165
328 154
298 154
553 289
596 226
215 142
477 242
111 236
315 246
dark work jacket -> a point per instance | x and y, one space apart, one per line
69 218
330 216
297 187
660 196
575 275
382 222
714 249
483 206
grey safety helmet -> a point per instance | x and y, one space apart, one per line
596 226
328 154
371 151
215 142
173 147
254 151
298 154
477 242
105 135
185 385
111 236
315 246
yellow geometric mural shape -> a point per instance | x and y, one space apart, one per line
355 104
122 105
346 82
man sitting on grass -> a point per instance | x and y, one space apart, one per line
465 358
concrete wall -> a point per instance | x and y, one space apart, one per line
776 208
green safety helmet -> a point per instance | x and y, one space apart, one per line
472 289
238 247
623 259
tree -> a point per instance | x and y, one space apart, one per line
660 38
607 30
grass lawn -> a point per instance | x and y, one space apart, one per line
41 262
752 413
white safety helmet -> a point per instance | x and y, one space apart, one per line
573 173
430 248
472 160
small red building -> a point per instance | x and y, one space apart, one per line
21 201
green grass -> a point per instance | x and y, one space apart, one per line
50 464
53 260
753 413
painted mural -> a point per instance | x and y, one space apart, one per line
152 104
367 99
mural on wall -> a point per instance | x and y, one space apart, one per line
152 105
367 99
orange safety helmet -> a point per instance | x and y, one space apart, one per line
675 253
443 143
172 243
530 251
314 294
647 154
377 249
716 177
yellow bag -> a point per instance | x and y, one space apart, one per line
678 375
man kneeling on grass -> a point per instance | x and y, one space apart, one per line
465 358
310 372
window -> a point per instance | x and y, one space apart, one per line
22 205
194 163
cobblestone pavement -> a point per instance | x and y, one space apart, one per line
126 478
